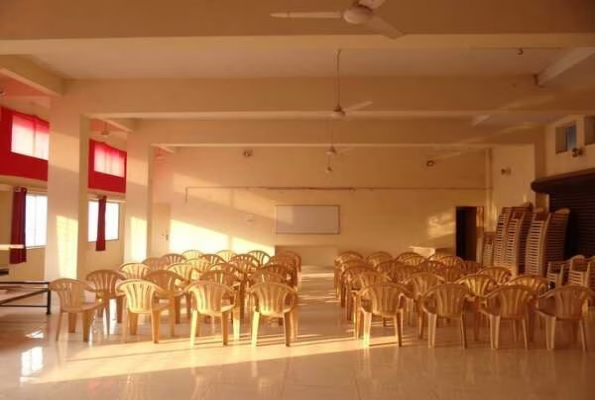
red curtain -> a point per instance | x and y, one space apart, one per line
100 243
17 231
107 167
13 163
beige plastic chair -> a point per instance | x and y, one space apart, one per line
338 266
278 301
189 272
213 259
200 264
557 271
226 254
156 263
509 302
354 285
172 289
418 285
450 274
386 266
288 271
192 254
215 300
173 258
438 256
431 266
384 299
348 273
245 263
412 259
297 259
135 270
104 282
401 273
452 261
581 273
538 285
445 301
72 302
377 257
262 256
141 298
220 276
479 286
471 267
566 303
263 275
500 274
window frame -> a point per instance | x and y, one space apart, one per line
108 203
561 140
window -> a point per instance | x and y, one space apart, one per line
109 160
30 136
112 220
566 138
36 211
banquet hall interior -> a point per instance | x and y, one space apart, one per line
282 199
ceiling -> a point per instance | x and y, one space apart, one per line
182 62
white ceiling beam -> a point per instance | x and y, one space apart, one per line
27 72
564 64
24 20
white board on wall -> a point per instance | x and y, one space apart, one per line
307 220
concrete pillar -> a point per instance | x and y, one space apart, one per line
138 198
67 193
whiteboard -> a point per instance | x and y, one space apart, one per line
307 220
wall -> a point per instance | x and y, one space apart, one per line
514 188
563 162
421 213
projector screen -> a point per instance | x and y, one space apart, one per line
307 220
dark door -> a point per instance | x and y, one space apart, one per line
469 221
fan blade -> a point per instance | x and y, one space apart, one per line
309 15
371 4
346 150
358 106
382 27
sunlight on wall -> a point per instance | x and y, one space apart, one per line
69 149
441 225
138 238
67 237
240 245
184 236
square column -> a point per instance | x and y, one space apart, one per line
138 200
67 193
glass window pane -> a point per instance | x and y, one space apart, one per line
93 210
112 221
22 136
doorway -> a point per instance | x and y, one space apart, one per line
469 226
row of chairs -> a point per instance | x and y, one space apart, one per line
138 283
577 270
391 289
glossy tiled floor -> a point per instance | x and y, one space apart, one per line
325 363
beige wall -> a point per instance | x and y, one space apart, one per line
421 213
563 162
514 188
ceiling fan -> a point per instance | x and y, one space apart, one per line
361 12
339 112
